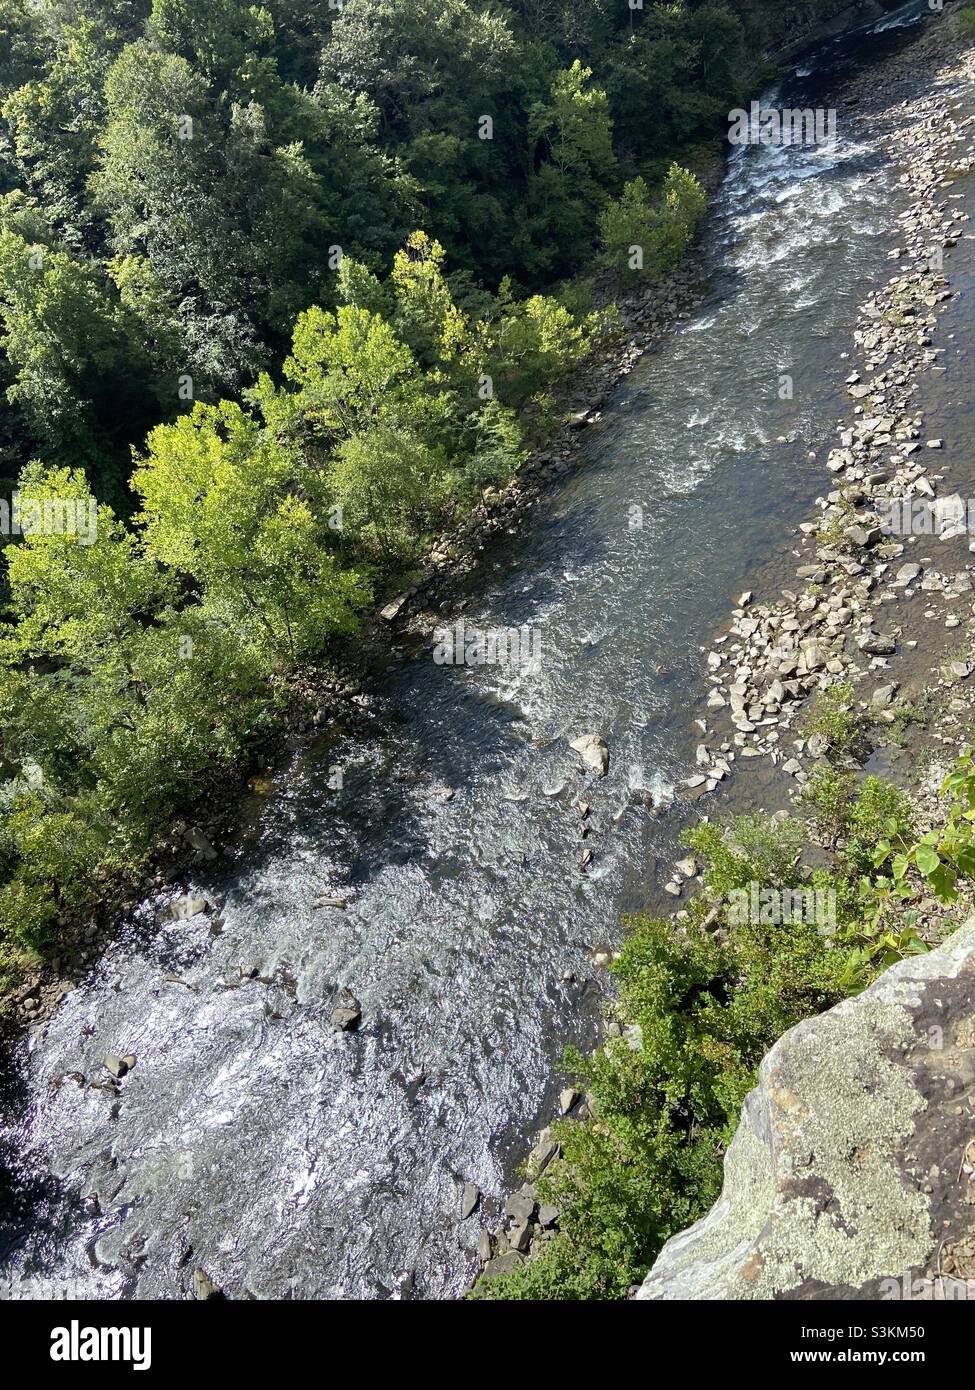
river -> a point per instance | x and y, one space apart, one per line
292 1161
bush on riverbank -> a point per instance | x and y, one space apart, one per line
704 1000
647 238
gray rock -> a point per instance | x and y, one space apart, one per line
184 907
865 536
813 655
877 644
569 1098
593 752
469 1198
196 839
519 1207
543 1153
502 1265
520 1237
828 1190
348 1014
204 1287
393 609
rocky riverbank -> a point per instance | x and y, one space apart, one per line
864 594
870 609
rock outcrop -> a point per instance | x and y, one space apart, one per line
852 1174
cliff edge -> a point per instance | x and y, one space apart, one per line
852 1173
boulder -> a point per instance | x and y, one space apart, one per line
185 906
393 609
593 752
569 1099
196 839
520 1207
877 644
849 1176
503 1265
347 1015
469 1198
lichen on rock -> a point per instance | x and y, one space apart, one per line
847 1170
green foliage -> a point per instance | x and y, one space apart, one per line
666 1097
751 849
209 171
943 855
244 518
835 719
703 1002
136 658
830 793
647 239
74 361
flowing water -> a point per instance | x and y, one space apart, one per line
293 1161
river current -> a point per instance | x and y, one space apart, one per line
292 1161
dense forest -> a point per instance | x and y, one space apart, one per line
280 285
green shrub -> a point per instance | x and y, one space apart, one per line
835 719
830 793
645 238
880 811
750 849
649 1161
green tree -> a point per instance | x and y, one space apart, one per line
645 238
571 136
78 373
241 516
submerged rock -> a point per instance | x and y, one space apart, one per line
186 906
846 1178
